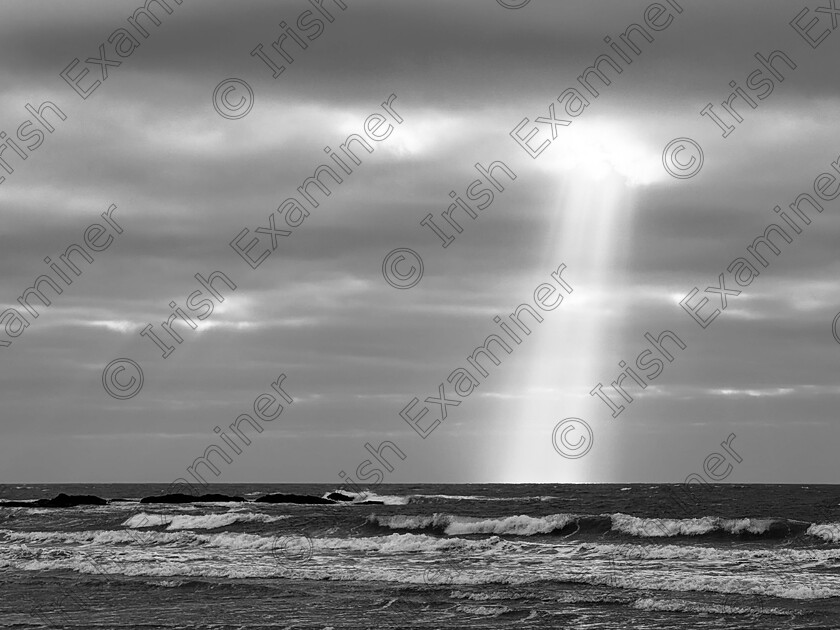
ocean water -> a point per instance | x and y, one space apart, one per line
430 556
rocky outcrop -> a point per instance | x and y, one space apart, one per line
61 501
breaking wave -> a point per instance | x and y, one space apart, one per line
175 522
618 523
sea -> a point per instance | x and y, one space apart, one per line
581 556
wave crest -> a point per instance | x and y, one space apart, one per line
618 523
176 522
829 532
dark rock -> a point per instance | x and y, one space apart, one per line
188 498
61 501
293 498
219 498
337 496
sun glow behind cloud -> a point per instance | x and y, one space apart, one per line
596 153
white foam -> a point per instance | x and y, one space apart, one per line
167 583
387 499
679 605
402 521
718 555
665 527
98 537
514 525
407 558
827 531
138 521
748 525
481 597
398 561
452 497
521 525
177 522
393 543
399 543
483 611
369 495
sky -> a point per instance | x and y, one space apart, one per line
355 350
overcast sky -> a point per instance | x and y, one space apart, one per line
355 350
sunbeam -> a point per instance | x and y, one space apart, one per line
589 234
